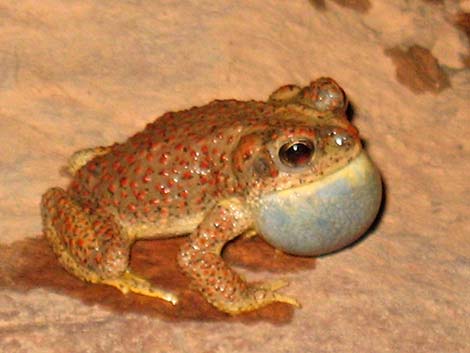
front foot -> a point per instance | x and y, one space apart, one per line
257 296
269 290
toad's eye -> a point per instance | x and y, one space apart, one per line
297 153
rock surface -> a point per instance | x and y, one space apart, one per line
77 74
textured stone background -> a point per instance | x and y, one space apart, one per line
75 74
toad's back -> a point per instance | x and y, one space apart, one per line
177 166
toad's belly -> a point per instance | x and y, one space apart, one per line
324 216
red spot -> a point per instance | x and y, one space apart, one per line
223 158
124 182
112 188
91 167
204 164
133 184
184 194
164 212
147 179
68 225
132 207
141 195
167 200
230 190
165 172
149 157
131 159
108 234
220 178
171 182
164 158
204 149
164 190
352 130
80 242
274 173
179 147
187 175
106 177
194 154
203 179
212 181
154 201
138 169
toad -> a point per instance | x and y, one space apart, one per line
291 169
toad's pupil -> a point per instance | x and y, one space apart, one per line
297 154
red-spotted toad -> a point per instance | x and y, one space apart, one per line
291 169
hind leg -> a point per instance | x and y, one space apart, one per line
93 247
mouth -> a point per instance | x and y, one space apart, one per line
323 216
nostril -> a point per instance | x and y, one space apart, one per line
341 140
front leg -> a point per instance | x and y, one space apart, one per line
82 157
200 259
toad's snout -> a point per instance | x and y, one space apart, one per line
323 216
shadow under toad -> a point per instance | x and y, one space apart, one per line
30 264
